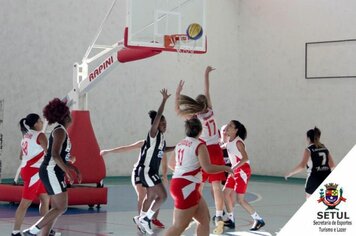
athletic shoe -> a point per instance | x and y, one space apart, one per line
257 225
26 232
54 233
157 223
214 217
146 224
137 222
18 234
229 223
219 226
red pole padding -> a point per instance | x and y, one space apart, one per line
85 148
133 54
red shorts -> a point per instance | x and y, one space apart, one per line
216 158
184 193
240 179
32 184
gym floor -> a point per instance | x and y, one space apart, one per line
275 199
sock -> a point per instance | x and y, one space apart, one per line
230 215
16 231
34 229
143 213
150 214
255 216
219 213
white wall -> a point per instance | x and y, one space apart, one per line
257 47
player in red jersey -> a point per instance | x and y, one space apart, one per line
242 172
201 107
190 157
33 148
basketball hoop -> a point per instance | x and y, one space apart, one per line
180 42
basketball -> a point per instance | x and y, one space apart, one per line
194 31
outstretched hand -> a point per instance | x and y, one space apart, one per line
180 87
103 153
209 69
286 177
165 94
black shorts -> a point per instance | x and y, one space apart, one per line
135 176
149 177
314 180
52 178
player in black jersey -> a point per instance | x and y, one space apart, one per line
135 177
318 161
149 163
55 165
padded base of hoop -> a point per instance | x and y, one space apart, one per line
77 195
129 54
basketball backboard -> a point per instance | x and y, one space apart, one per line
149 23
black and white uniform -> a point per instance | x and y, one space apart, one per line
52 175
318 167
150 160
135 175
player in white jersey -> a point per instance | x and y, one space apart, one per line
201 107
55 165
318 161
242 173
135 176
33 148
190 156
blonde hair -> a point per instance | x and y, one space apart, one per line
190 106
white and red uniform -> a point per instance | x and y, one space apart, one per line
242 175
187 175
32 157
211 136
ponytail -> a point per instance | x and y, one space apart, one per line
314 136
190 106
28 122
23 125
241 129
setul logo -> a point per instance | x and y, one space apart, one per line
332 196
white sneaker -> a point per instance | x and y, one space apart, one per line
146 224
136 220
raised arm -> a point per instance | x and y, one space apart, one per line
155 124
301 166
178 92
121 149
207 84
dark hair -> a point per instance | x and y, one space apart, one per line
193 127
241 130
56 111
314 136
30 121
153 115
